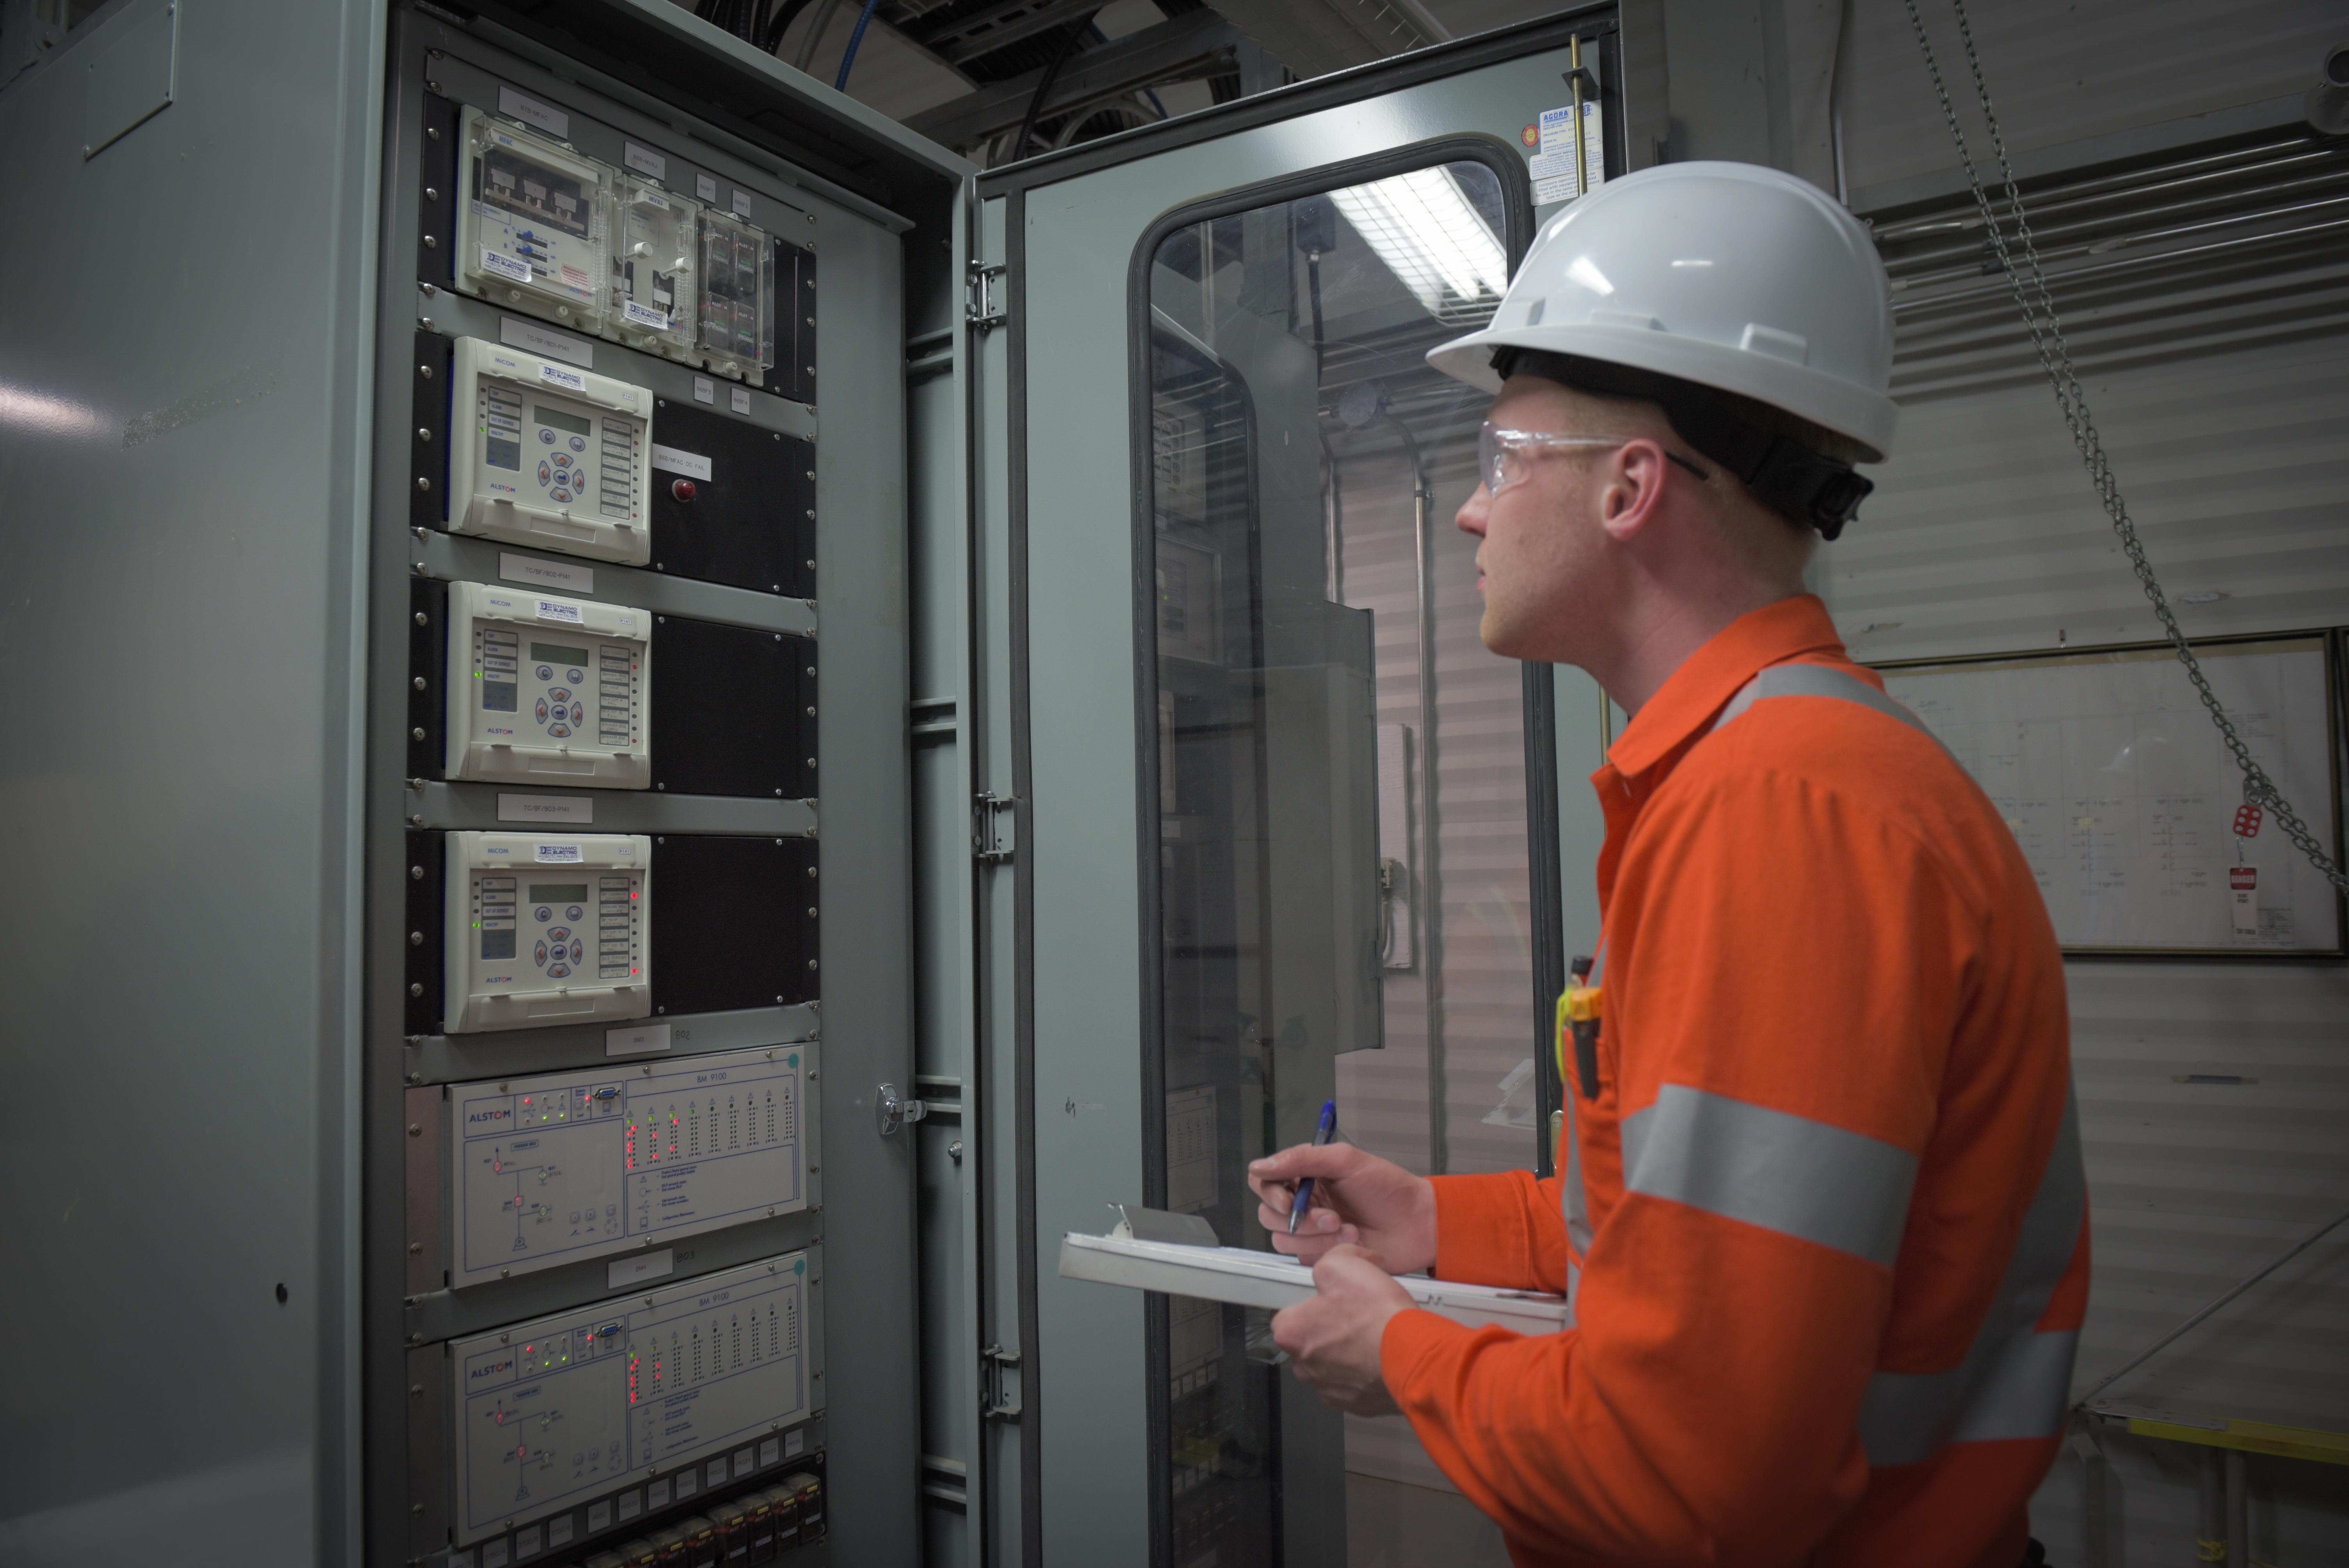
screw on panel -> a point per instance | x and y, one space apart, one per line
425 370
432 243
419 683
416 938
415 1247
422 483
430 195
423 434
416 733
415 989
414 1130
428 291
416 873
423 619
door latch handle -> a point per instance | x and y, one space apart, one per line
893 1110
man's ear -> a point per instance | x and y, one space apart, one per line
1631 487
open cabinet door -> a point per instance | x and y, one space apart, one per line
1215 482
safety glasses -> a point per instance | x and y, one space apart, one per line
1501 454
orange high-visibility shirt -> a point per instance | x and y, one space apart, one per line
1830 1251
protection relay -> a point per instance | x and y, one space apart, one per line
655 272
544 453
545 688
546 929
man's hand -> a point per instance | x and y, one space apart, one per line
1333 1340
1358 1199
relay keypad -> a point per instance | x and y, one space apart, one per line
545 930
547 689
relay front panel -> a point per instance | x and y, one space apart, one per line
554 1168
546 688
669 1387
540 929
548 454
531 223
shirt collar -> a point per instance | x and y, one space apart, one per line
1684 705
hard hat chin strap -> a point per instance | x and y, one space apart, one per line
1785 475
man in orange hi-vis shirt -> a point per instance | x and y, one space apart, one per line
1821 1211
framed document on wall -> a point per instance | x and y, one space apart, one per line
2127 804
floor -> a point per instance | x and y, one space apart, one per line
1391 1525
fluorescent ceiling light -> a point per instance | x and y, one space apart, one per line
1431 237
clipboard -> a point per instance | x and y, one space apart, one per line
1179 1253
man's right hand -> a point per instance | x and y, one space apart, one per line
1358 1200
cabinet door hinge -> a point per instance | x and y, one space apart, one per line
979 306
999 1383
992 833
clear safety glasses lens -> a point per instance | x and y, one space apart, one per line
1500 453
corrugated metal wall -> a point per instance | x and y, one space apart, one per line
2208 313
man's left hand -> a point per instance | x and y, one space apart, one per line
1333 1340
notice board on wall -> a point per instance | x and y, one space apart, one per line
2128 805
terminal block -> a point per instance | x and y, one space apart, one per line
656 269
533 223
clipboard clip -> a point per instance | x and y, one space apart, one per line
1136 1223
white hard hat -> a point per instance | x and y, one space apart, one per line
1730 275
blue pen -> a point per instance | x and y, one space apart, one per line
1321 1135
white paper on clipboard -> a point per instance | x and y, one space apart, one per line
1274 1281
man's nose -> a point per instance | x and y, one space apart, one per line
1469 518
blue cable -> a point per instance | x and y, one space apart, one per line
840 83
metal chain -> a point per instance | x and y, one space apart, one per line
2039 316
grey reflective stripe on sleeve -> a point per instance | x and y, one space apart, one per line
1819 680
1801 1177
2015 1382
1572 1200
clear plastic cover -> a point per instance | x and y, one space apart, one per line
737 298
656 269
533 230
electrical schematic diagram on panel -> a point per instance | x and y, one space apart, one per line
552 1169
552 1413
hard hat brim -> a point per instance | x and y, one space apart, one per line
1825 400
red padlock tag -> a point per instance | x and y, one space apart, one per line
2247 821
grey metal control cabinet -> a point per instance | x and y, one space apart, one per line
606 785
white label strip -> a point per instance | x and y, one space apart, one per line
496 261
705 187
741 204
555 375
635 1039
558 855
538 340
644 162
556 610
692 465
644 1266
531 568
705 390
645 315
530 111
578 809
742 400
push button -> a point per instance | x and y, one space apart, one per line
545 474
576 677
542 914
538 953
577 949
541 710
559 935
578 444
561 494
560 731
560 695
547 436
571 914
563 459
558 971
